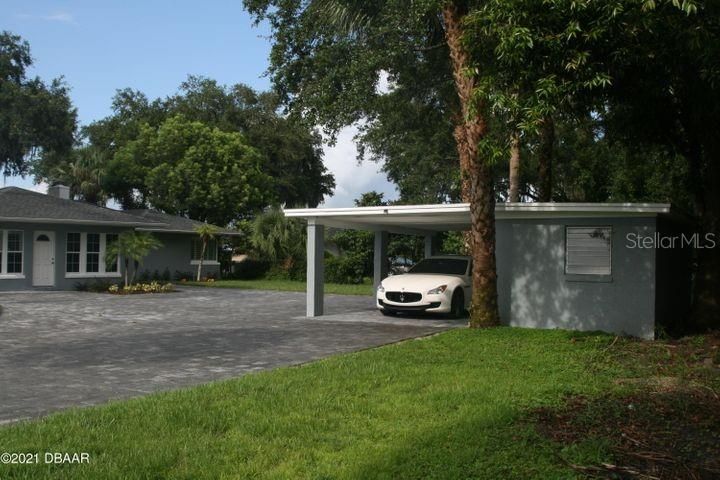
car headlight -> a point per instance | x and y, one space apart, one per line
381 289
437 290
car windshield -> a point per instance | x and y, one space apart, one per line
446 266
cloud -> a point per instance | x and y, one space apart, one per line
63 17
353 179
60 17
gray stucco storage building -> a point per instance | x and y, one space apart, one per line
578 266
52 242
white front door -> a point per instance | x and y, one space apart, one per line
44 259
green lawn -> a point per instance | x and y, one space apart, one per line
285 285
454 405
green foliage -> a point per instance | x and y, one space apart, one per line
346 269
188 168
289 152
250 269
453 243
94 286
391 76
280 240
131 246
84 174
36 120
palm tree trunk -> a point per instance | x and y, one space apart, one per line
477 180
127 267
202 257
514 176
545 160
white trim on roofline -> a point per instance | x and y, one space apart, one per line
549 209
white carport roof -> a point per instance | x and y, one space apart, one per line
421 219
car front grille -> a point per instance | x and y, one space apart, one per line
403 297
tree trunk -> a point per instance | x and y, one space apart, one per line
200 264
545 157
477 180
127 268
514 176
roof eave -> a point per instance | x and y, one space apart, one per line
169 230
71 221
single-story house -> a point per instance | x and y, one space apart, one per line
53 242
582 266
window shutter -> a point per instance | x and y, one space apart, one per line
588 250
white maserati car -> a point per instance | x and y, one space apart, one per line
441 284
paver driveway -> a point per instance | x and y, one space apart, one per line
63 349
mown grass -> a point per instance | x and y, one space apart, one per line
285 285
447 406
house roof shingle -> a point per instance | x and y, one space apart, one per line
20 205
173 223
26 206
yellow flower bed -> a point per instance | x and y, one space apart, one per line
152 287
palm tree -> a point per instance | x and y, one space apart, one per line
84 175
131 246
207 233
277 238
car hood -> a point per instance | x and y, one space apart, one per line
418 282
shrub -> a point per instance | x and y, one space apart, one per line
250 269
345 269
94 286
144 276
184 276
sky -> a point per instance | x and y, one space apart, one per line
152 46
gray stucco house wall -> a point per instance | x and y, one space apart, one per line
175 255
534 291
62 279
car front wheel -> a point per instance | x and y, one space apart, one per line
457 305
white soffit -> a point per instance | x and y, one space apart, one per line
422 218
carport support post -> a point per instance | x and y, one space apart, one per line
315 268
380 268
428 246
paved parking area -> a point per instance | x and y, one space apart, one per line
64 349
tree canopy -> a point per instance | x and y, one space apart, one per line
35 118
290 152
602 101
189 168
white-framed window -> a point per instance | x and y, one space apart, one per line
11 253
85 255
211 252
588 250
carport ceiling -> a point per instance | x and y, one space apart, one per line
421 219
